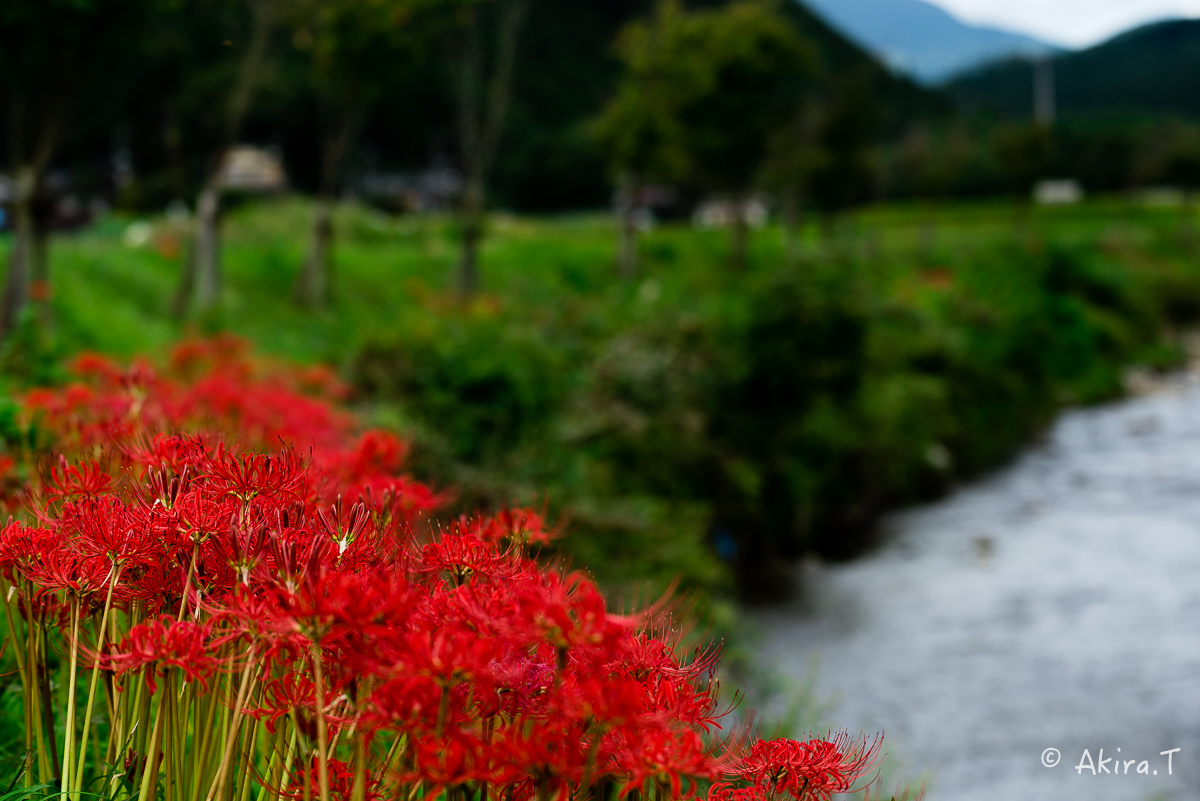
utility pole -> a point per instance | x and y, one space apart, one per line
1043 90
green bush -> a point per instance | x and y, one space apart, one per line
761 416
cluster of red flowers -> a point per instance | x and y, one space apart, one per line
317 635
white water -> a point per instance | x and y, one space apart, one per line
1055 604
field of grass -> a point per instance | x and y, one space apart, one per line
116 298
696 423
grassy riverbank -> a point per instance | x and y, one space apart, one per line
697 415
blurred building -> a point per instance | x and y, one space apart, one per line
722 212
59 205
8 191
1057 192
428 192
246 168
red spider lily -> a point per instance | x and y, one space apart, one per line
253 475
67 480
376 452
454 759
22 547
815 769
174 452
283 695
97 366
460 558
104 527
341 783
344 528
664 754
329 622
520 526
728 792
165 643
569 613
59 570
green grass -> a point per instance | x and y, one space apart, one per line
116 299
783 408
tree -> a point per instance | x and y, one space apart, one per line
53 55
702 92
486 58
1182 169
758 71
793 159
640 127
1024 152
356 49
928 164
849 125
231 82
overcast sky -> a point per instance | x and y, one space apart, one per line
1075 23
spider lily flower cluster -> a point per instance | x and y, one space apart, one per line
219 616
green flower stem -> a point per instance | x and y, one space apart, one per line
96 671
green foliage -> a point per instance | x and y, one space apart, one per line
1182 167
639 128
1025 151
849 126
771 415
484 378
357 50
699 413
702 91
28 357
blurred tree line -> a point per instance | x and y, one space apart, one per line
535 105
140 101
1127 114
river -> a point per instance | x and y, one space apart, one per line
1055 604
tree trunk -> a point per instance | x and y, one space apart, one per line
1187 218
16 287
173 145
472 235
187 282
30 174
39 261
205 250
791 229
313 288
202 272
740 232
627 248
829 229
481 125
314 285
928 235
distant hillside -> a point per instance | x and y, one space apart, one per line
547 163
1151 70
565 73
899 98
921 39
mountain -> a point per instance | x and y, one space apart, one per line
1147 71
921 39
548 162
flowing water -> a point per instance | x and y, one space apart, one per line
1053 605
